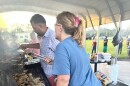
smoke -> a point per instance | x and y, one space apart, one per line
2 46
8 47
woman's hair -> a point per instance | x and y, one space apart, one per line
72 25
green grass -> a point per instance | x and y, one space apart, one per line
111 48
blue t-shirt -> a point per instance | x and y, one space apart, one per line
70 59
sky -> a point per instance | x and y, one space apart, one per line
23 17
125 25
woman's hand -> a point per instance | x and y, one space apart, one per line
48 60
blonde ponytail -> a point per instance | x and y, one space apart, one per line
79 34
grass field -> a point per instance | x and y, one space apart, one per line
111 48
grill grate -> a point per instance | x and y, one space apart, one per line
11 66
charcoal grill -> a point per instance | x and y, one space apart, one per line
10 66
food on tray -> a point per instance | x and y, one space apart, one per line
26 79
33 61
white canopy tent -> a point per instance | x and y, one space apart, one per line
104 10
95 12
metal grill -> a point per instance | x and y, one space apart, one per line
14 65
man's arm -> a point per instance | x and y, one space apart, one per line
127 43
24 46
105 40
63 80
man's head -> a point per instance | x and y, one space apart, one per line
38 23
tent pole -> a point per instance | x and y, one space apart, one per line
121 17
111 13
120 21
114 20
98 33
90 19
120 27
100 20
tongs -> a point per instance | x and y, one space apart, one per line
18 48
40 57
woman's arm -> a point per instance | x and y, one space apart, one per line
63 80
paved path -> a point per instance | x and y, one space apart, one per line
124 70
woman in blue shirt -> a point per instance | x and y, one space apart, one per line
71 63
